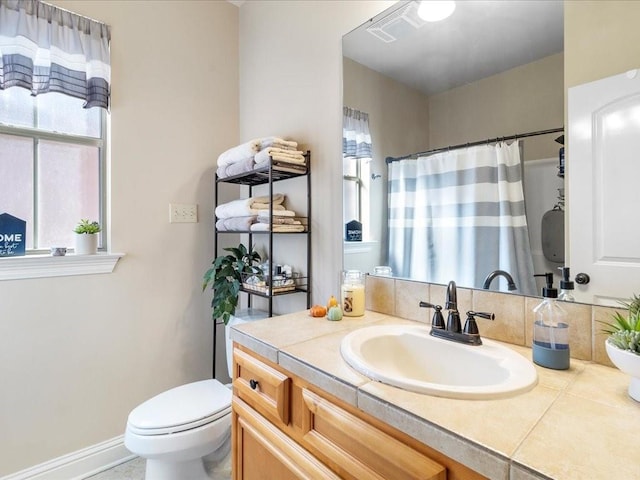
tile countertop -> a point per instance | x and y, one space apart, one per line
575 424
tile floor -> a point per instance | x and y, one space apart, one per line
134 470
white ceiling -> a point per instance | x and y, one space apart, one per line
480 39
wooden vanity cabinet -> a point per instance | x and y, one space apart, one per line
285 428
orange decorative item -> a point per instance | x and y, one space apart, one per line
333 302
318 311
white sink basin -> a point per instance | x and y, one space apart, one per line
407 357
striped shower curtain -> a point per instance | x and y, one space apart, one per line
458 215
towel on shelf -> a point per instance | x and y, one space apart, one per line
242 208
278 198
277 142
236 168
278 220
235 224
281 166
264 227
266 206
263 156
240 152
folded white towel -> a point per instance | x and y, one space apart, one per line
236 168
264 155
240 152
242 208
235 224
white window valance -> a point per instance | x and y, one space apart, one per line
356 139
48 49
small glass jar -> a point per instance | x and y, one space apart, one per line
352 293
382 271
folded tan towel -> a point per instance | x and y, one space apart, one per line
265 206
264 227
263 156
277 142
278 198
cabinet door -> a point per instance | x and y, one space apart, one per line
262 452
356 450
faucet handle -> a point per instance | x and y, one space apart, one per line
438 320
487 315
470 326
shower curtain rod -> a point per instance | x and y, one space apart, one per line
474 144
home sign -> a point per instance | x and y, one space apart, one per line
353 231
12 236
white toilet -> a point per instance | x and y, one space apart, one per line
175 430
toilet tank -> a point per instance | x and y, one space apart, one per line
241 316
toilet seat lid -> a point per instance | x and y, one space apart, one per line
180 408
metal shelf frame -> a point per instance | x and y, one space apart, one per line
269 174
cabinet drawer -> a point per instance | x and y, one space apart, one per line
356 449
263 387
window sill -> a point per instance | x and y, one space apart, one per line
41 266
364 246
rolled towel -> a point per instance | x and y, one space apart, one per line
240 152
235 224
237 168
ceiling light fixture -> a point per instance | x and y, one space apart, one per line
435 10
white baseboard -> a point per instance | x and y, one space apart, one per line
80 464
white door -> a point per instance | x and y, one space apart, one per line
603 168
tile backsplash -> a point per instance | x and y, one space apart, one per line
514 313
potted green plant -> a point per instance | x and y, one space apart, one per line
87 237
623 343
225 278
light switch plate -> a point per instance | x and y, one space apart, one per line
183 213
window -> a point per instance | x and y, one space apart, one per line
356 168
356 174
52 165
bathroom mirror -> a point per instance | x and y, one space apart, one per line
492 69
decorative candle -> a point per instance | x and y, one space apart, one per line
352 293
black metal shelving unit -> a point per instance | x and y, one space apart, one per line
269 174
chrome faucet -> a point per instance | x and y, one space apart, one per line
453 331
511 285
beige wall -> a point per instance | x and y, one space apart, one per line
291 85
524 99
602 38
78 353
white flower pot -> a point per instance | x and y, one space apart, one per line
629 363
86 243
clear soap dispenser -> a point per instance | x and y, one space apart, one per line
550 330
566 286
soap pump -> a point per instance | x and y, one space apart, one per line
550 330
566 286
